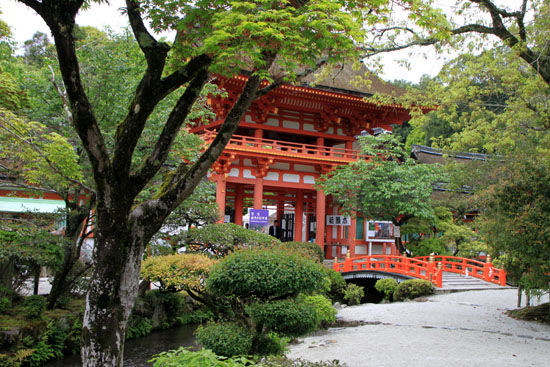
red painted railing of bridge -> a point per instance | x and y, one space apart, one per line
393 264
429 268
469 267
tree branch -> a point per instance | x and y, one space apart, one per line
155 52
149 93
156 210
164 143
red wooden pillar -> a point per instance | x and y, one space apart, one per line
280 210
239 205
258 193
220 196
298 216
320 218
349 145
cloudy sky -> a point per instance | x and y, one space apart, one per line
24 23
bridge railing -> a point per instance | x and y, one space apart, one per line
393 264
470 267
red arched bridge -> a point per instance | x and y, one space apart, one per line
429 268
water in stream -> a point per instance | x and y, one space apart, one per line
138 351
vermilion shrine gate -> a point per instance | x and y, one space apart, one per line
285 141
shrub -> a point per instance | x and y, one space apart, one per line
337 285
222 239
265 274
287 317
139 328
326 314
201 358
50 345
271 344
310 249
195 317
4 304
225 339
33 307
353 294
386 287
178 272
412 288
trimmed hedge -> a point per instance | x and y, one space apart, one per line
413 288
225 339
224 238
264 274
387 287
326 314
287 316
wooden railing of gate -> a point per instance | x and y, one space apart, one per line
280 148
412 267
469 267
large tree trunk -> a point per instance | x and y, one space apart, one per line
112 291
7 268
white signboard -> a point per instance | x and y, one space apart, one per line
338 220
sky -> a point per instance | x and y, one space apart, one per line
24 23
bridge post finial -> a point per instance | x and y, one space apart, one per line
432 257
489 259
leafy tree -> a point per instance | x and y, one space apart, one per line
214 36
515 220
385 186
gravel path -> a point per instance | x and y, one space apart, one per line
457 329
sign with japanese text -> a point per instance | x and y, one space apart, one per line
259 219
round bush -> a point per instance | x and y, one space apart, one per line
353 294
264 274
286 317
178 272
387 287
412 288
33 307
225 339
326 314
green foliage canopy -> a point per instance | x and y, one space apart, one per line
385 186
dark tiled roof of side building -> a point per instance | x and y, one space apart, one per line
426 154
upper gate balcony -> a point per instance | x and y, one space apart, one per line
248 146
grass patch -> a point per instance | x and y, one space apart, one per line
540 313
